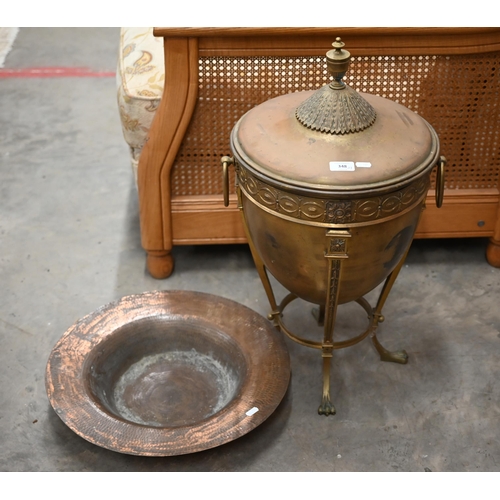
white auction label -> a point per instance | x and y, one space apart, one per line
342 166
363 164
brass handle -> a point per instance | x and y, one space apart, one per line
440 181
226 161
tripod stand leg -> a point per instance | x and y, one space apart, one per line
261 268
401 356
336 253
326 407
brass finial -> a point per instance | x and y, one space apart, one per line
337 62
336 108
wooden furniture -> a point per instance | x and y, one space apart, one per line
214 75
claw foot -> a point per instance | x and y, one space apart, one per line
326 407
400 357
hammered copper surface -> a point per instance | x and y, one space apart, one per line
438 412
167 373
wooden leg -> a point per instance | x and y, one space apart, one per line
493 252
493 249
160 149
160 263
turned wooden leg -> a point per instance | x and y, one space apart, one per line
160 263
493 252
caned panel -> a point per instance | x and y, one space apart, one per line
459 95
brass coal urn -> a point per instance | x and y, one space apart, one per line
331 184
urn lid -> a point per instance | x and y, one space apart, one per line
334 140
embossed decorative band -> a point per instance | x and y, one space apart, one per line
320 211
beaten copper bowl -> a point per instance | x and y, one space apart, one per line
167 373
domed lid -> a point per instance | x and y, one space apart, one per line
334 139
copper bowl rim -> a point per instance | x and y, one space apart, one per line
266 380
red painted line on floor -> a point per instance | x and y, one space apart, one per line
53 72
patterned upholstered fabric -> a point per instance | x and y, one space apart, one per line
140 78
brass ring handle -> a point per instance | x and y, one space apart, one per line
226 161
440 181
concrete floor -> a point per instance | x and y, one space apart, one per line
70 242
